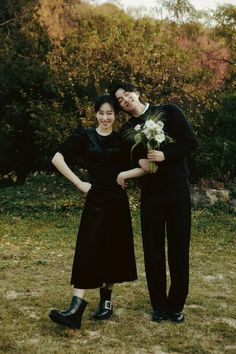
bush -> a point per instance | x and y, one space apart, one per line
215 157
47 86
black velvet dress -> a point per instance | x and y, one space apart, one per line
104 249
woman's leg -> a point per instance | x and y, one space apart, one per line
72 316
79 293
105 307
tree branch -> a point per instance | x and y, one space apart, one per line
6 22
15 18
229 61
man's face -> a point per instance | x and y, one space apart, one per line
128 101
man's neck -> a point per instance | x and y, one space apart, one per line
140 110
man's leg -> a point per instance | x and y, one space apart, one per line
178 235
153 235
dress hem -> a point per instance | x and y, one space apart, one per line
100 284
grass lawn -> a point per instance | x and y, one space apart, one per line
38 229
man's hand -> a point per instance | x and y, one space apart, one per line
155 156
84 187
121 180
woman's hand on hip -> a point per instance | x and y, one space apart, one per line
84 186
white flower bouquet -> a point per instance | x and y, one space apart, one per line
151 134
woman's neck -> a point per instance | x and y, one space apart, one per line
104 132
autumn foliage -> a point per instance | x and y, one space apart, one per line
57 56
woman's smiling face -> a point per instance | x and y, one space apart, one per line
105 116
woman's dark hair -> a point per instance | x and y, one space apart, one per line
105 99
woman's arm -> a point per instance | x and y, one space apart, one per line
135 172
59 162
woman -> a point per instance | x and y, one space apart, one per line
104 251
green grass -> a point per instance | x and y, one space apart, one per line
38 228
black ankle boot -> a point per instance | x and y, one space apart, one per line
104 310
72 316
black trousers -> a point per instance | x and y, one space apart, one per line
166 214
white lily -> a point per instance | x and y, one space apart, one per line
137 127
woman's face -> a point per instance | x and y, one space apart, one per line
105 116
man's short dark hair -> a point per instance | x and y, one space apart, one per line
116 85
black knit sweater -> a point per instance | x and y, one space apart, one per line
172 173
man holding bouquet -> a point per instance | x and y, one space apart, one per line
165 196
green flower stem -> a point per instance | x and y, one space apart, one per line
152 145
152 166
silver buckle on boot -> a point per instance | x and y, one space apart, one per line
108 305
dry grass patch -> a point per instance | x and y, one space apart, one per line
36 256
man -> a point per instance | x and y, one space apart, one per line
165 202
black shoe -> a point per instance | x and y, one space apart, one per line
72 316
105 307
159 316
104 311
176 317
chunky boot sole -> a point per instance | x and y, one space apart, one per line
72 316
106 316
69 322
